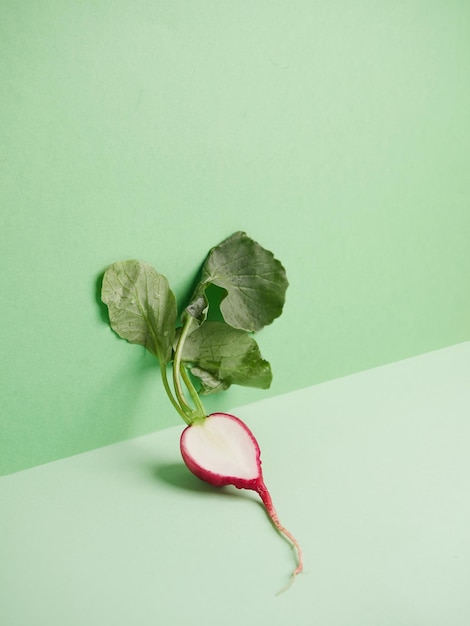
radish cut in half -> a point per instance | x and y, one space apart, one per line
222 450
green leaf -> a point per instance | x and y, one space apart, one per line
254 280
141 305
220 356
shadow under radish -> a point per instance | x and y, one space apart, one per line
178 475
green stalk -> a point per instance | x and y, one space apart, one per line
194 394
170 395
180 371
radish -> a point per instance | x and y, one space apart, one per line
218 448
222 450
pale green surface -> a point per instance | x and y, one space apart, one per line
371 472
335 133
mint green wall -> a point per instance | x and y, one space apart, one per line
335 133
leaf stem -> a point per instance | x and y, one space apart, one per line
180 371
194 394
170 395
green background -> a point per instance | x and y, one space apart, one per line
335 133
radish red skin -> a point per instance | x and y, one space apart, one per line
196 452
217 479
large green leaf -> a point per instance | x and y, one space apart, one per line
254 280
220 356
142 307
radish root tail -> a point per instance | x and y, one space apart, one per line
268 503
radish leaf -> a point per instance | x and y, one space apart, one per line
254 280
220 356
142 307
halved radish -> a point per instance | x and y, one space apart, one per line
222 450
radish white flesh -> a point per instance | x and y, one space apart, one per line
222 450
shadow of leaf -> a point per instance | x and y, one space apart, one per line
102 308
